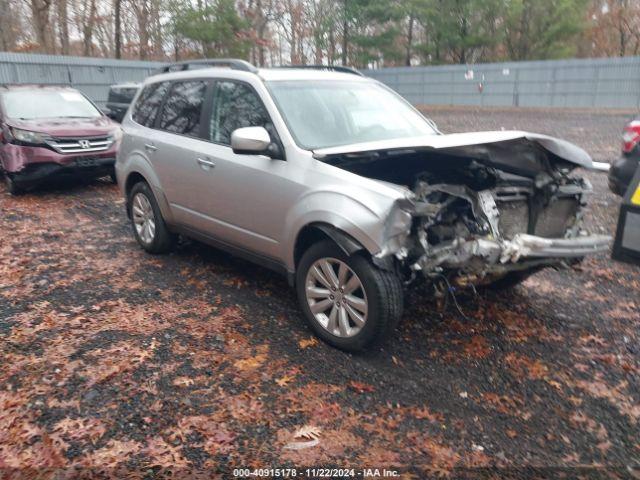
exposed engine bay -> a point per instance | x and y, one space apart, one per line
479 212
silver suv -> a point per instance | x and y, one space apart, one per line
337 182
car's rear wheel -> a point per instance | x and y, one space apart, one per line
149 227
348 302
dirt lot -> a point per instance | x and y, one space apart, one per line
119 361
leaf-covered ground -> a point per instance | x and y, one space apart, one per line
116 363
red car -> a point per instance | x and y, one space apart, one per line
623 169
48 131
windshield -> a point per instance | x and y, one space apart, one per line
35 104
323 114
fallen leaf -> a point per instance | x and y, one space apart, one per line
308 342
251 362
308 431
285 380
360 387
183 382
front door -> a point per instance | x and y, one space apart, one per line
244 199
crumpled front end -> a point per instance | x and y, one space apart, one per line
479 205
478 236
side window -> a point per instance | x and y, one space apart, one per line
181 111
236 105
146 108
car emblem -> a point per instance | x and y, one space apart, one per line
84 143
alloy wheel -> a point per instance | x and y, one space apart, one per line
336 297
143 218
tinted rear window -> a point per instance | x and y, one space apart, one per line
148 103
183 107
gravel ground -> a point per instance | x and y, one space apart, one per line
121 364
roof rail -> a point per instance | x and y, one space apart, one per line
330 68
233 63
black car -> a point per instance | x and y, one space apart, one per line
119 99
623 169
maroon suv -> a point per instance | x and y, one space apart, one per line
50 131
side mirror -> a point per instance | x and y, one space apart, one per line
251 141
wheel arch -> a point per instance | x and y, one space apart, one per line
314 232
134 177
317 231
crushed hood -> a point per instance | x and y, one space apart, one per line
503 148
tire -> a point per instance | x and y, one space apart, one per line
380 289
12 186
161 240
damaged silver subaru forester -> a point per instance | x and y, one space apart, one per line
336 181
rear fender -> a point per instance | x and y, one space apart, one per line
137 164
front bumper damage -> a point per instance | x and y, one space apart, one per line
32 165
461 253
470 236
477 205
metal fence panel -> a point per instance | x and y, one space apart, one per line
92 76
603 82
606 82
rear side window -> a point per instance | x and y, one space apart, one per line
121 94
148 103
236 105
182 110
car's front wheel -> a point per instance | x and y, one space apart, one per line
13 187
149 227
348 301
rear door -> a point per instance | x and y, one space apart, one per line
180 145
140 138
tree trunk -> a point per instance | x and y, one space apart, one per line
622 39
143 31
63 25
345 34
40 10
118 28
407 60
331 54
88 29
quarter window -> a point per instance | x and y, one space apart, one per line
183 107
236 105
146 108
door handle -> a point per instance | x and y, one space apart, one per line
206 163
150 148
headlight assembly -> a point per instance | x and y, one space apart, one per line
26 136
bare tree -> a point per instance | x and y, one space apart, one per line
62 10
87 29
11 24
41 10
117 11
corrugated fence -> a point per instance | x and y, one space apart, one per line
89 75
608 82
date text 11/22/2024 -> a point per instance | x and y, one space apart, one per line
315 473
